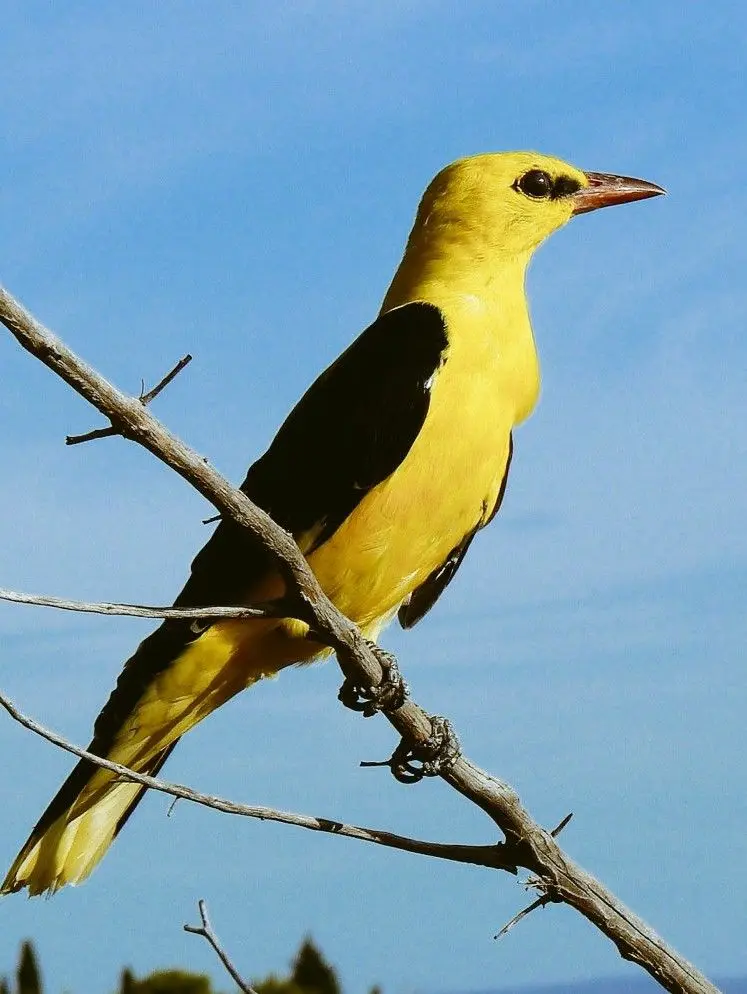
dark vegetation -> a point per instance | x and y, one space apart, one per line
310 973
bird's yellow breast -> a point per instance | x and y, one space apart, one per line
449 482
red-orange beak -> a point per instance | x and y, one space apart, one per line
606 190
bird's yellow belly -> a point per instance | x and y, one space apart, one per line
406 526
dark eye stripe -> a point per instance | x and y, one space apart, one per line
564 186
539 185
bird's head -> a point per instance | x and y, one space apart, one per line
509 202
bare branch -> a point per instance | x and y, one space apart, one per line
491 855
527 843
206 931
271 609
144 398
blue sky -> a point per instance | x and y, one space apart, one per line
237 181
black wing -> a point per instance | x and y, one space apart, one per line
425 596
355 424
349 431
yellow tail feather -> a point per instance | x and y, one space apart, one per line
70 848
227 658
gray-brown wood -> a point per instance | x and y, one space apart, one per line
272 609
477 855
527 844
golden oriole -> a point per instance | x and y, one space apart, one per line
386 469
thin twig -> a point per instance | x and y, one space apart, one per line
280 608
91 436
144 398
559 828
541 902
206 931
530 845
490 855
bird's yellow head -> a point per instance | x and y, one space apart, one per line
483 216
511 201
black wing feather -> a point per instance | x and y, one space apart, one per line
355 424
425 596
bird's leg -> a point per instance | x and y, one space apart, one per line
389 695
436 755
409 762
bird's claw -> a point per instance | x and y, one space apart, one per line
436 755
388 696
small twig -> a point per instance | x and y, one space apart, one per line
91 436
559 828
144 398
281 608
541 902
490 855
206 931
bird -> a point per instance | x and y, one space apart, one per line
384 472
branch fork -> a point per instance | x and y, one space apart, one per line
118 427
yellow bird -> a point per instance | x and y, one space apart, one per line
388 466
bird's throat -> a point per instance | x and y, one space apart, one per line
484 303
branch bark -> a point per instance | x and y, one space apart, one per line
528 844
144 398
477 855
272 609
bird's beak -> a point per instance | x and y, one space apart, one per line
606 190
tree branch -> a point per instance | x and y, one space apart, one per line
491 855
144 398
530 846
206 931
272 609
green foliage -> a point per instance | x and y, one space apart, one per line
166 982
312 973
276 985
28 978
127 981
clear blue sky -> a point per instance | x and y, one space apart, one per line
237 181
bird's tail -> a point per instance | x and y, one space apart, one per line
170 684
66 849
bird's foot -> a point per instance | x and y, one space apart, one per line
436 755
389 695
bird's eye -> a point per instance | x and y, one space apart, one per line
536 184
